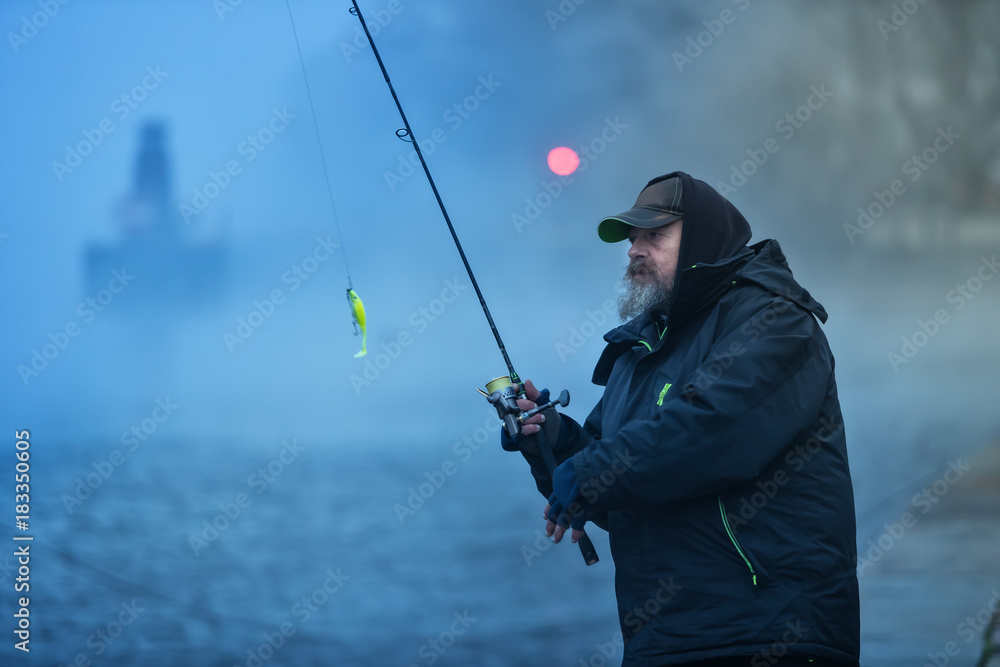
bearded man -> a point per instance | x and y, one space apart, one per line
716 457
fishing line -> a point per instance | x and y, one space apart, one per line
406 134
353 300
319 142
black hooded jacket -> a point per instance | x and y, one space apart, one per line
718 453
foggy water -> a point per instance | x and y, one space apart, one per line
328 517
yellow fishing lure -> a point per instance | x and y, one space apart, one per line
358 313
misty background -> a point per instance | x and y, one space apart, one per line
800 113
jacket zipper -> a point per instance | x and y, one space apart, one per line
739 549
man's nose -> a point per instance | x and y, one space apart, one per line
638 250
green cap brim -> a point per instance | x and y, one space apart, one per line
615 228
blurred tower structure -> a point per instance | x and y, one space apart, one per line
170 271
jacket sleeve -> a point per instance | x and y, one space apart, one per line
578 436
572 439
722 428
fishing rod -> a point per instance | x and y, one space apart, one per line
501 393
406 134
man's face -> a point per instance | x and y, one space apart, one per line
654 252
649 278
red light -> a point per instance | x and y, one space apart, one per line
563 161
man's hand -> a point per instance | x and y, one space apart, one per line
533 425
566 508
546 424
558 519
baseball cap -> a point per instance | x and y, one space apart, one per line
659 203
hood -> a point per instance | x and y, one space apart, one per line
714 233
714 229
769 269
714 245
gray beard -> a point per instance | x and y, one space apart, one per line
637 298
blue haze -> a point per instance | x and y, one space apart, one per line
367 442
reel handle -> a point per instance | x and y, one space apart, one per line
562 401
